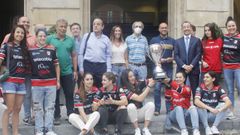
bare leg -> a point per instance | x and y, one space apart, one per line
17 107
146 123
10 100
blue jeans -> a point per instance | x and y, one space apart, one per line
139 71
179 114
208 116
43 105
157 92
230 76
27 103
117 70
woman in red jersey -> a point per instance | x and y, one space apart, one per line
212 45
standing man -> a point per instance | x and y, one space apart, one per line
166 62
31 40
137 49
68 66
187 53
95 53
76 31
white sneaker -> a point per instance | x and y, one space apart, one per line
208 131
39 133
196 132
51 133
184 132
137 131
214 130
230 116
146 131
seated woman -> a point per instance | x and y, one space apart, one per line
212 102
136 92
111 104
83 100
179 94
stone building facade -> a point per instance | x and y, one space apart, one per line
199 12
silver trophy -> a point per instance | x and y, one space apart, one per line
156 52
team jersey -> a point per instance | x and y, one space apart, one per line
231 52
212 55
139 88
87 103
178 95
114 94
17 67
43 61
210 97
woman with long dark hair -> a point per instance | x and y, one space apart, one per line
212 46
212 102
231 61
88 117
136 92
16 53
119 52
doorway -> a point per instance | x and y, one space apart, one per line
124 13
8 10
237 12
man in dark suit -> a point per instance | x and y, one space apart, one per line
188 54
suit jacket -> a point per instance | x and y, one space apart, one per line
194 54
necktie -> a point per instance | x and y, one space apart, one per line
187 44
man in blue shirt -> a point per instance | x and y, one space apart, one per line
75 29
137 45
166 62
96 59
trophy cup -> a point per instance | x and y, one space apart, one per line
156 53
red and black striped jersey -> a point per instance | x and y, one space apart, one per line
43 61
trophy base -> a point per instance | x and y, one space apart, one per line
159 76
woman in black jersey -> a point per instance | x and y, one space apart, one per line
88 117
212 102
15 56
136 92
111 104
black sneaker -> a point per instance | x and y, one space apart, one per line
28 121
57 121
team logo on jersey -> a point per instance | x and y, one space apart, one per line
235 41
48 52
223 91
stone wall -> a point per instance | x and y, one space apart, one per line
48 11
198 12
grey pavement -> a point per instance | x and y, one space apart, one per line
157 127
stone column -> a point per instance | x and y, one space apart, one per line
85 15
198 12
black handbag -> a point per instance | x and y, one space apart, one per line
5 70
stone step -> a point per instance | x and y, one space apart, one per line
157 127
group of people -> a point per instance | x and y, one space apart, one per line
104 80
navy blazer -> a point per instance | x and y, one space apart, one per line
194 53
